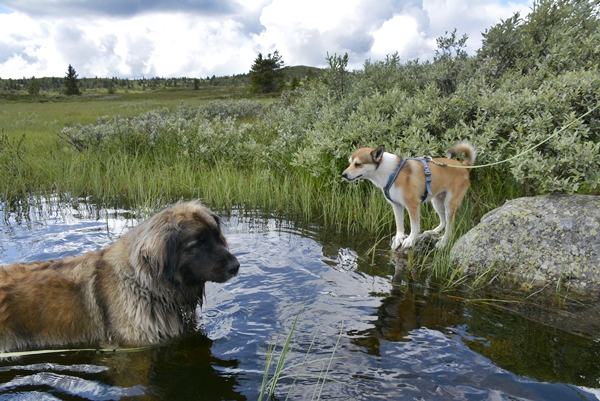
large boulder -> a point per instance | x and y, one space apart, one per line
545 241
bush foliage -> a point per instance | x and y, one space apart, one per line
532 76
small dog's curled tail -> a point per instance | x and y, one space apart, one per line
467 149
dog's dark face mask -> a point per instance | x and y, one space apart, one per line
203 253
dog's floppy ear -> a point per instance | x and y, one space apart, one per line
377 154
154 246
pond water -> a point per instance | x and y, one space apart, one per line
360 330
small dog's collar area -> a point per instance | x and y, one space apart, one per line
394 175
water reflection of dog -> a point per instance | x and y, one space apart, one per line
183 369
140 290
410 305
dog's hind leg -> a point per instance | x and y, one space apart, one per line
440 209
451 204
399 217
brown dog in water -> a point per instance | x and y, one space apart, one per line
138 291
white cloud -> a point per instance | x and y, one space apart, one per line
472 17
400 34
304 31
224 39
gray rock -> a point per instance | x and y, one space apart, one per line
423 246
544 241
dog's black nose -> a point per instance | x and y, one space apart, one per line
233 266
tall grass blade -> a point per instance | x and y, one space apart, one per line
331 359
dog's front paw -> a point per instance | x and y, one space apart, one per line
408 242
441 243
397 241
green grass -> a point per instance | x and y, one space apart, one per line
36 161
136 181
39 118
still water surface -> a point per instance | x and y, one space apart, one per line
391 339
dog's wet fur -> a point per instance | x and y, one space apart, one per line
140 290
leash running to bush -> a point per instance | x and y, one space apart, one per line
429 159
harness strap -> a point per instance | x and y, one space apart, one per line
386 189
425 160
394 175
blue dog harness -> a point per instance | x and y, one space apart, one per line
422 159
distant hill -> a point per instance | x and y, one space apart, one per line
302 71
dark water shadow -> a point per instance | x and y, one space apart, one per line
184 369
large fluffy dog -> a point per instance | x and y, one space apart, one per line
140 290
409 187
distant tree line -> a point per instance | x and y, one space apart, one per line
35 85
278 78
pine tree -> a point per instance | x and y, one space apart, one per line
34 86
294 83
266 74
71 87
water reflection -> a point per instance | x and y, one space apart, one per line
529 348
184 369
404 311
359 331
188 370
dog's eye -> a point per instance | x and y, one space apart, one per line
357 164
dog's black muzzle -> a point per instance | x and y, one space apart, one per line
345 175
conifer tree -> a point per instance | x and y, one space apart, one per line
294 83
266 74
34 86
71 87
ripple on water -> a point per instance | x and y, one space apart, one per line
388 342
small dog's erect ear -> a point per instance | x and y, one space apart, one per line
378 153
360 145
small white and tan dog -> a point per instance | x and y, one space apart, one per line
407 182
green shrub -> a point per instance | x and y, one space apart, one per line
531 77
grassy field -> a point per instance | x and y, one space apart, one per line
40 117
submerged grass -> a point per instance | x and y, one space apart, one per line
269 385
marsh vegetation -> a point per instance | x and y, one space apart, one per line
148 147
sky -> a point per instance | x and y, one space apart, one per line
202 38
